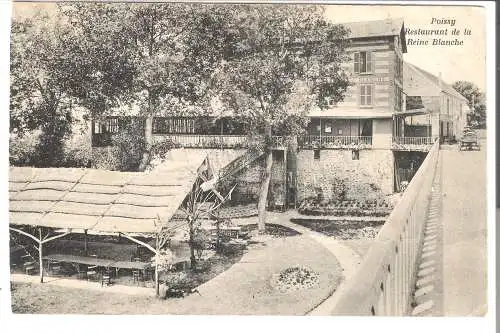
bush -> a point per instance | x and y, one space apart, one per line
130 145
29 150
77 151
201 241
22 148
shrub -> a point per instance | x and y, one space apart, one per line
130 145
77 151
22 148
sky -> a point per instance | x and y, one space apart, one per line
465 62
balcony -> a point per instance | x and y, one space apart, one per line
215 141
335 142
412 143
204 141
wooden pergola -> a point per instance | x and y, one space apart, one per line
128 204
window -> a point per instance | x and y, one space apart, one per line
173 125
366 95
362 62
109 125
112 125
398 98
398 68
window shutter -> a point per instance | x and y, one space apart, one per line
356 62
369 89
368 62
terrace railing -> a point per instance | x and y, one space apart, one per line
335 142
216 141
385 280
204 141
412 143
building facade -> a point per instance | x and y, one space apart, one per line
445 109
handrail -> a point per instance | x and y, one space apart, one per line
204 141
424 140
384 281
336 141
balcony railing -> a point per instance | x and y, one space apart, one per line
203 141
412 143
385 280
215 141
335 142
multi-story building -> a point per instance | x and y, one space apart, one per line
355 136
446 109
353 145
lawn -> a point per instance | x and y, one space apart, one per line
246 288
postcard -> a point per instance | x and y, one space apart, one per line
249 159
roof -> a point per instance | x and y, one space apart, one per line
387 27
378 28
101 200
419 82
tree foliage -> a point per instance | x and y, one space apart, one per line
476 102
286 61
267 64
40 99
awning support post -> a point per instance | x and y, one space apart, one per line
157 282
40 244
86 242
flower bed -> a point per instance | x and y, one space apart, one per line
345 208
295 278
274 230
343 230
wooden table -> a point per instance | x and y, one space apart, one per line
139 265
79 260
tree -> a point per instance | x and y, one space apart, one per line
475 100
287 59
40 99
153 56
203 201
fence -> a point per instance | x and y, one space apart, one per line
204 141
330 141
385 279
424 140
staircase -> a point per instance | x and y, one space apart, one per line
241 162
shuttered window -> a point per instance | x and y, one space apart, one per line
362 62
173 125
366 96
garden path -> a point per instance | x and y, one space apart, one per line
347 257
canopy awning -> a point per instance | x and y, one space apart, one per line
100 200
350 113
414 112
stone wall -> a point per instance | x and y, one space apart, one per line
370 177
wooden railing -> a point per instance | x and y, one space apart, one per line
215 141
414 140
385 279
241 162
412 143
204 141
335 142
